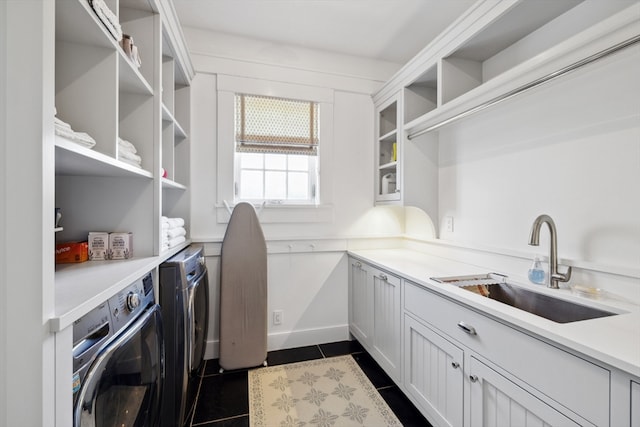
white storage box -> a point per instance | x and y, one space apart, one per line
98 246
120 245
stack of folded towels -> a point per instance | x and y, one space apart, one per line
108 18
127 153
173 232
64 130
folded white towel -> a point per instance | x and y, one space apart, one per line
78 137
61 124
125 145
176 232
176 241
123 154
108 18
173 222
176 222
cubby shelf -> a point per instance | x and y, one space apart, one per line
100 91
523 44
74 159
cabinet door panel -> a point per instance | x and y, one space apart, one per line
386 322
360 296
496 401
635 403
433 373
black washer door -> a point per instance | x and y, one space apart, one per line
122 387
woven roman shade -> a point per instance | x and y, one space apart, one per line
276 125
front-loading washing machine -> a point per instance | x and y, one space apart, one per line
184 301
118 360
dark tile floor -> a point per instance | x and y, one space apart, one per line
223 399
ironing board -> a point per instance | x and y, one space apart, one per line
243 291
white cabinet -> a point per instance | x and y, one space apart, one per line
406 171
386 321
571 385
360 302
388 145
374 314
497 401
635 403
433 373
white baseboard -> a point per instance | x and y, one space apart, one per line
291 339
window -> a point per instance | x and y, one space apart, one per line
277 143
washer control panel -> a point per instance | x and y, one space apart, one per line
129 302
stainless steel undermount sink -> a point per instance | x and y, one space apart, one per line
495 287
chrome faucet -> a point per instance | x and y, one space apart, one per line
534 240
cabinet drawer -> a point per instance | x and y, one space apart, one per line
571 381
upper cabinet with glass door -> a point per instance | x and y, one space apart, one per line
387 146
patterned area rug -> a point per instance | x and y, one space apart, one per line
324 392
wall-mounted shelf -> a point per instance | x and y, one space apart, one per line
73 159
168 184
524 44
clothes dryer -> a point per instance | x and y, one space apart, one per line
184 300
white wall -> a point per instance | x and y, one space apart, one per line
308 281
570 149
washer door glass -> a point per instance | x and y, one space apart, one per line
122 387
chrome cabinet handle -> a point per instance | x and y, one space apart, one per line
467 328
473 378
383 277
455 365
359 264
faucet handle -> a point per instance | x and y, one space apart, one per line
563 277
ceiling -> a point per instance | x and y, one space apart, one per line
388 30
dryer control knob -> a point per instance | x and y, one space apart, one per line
201 260
133 301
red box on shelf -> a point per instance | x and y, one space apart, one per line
71 252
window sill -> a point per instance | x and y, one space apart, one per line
284 214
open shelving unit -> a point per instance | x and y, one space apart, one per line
495 51
100 91
516 43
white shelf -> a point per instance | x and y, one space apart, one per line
482 69
74 159
76 22
168 117
389 136
390 165
131 80
172 185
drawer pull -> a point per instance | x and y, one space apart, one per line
467 328
473 378
383 277
358 264
455 365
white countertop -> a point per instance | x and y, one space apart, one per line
613 340
82 287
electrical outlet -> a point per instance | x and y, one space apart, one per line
448 224
277 317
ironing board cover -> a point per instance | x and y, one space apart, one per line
243 291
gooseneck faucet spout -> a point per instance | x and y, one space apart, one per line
534 240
